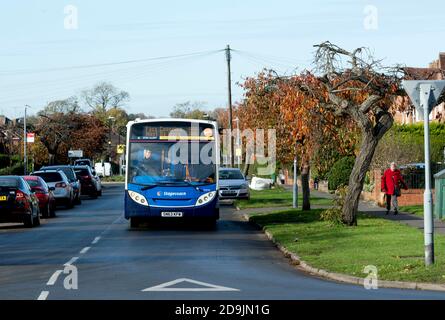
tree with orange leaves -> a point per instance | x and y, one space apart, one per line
360 88
294 107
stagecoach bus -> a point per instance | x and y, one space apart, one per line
172 170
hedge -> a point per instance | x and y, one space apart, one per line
339 174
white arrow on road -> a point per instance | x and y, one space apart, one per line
167 286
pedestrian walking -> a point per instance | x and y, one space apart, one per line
316 180
282 177
392 182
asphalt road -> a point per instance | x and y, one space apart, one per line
234 261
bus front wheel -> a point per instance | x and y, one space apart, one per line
134 222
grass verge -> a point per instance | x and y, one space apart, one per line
277 197
417 210
395 249
113 179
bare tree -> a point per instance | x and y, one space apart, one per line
104 96
360 88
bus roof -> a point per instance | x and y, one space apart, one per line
130 123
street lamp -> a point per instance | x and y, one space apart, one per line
25 141
424 94
110 119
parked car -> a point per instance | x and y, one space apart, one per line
17 202
83 162
232 184
73 180
47 201
99 182
260 183
63 190
90 186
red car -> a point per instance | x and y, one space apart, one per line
47 202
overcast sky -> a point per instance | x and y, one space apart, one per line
40 41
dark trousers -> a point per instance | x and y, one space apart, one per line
394 202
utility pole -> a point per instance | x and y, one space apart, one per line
229 87
25 141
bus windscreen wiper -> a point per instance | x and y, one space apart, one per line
147 186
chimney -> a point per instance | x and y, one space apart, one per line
442 60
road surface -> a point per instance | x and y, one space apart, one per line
234 261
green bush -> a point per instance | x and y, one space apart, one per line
334 215
16 169
15 159
4 161
339 174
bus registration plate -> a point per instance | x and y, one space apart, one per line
171 214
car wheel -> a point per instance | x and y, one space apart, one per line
209 223
52 211
46 211
36 219
28 220
70 203
100 193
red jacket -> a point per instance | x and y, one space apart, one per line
390 179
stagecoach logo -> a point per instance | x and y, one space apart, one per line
171 194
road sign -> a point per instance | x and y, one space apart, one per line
75 153
30 137
413 88
203 286
120 148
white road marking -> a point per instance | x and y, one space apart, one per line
205 286
43 295
85 250
53 278
74 259
95 240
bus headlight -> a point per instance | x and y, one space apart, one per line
205 198
137 197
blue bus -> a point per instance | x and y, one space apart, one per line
172 170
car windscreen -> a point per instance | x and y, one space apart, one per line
83 163
33 183
9 182
66 170
82 172
69 173
230 175
49 176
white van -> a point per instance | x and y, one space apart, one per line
103 169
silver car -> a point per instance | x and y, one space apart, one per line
232 184
63 190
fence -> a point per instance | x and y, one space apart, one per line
415 177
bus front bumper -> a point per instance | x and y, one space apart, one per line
133 209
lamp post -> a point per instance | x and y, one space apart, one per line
424 94
110 119
25 141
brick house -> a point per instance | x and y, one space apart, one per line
435 71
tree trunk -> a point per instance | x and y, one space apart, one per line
246 169
51 158
305 186
357 178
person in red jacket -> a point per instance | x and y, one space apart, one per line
391 182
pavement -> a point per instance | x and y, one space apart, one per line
373 209
233 261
